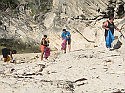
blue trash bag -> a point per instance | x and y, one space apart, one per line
109 39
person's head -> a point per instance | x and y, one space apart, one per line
45 36
111 18
64 30
14 51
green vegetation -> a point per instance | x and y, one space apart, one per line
36 6
40 6
19 46
4 4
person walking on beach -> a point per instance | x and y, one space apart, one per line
45 50
109 31
66 37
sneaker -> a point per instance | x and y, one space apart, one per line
111 49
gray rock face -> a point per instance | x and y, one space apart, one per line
28 22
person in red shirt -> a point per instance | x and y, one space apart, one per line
44 46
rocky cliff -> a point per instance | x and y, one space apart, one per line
24 22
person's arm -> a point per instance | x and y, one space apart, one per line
42 41
47 39
11 54
68 35
62 36
105 25
117 29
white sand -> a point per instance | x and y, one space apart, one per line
82 71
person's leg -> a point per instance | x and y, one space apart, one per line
69 44
105 41
106 33
47 52
42 53
5 59
8 58
65 50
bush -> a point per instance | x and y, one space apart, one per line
8 4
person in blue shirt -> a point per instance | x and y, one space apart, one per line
66 36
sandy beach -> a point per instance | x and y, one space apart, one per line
81 71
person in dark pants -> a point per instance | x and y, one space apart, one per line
109 25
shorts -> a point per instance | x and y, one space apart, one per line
7 59
69 41
42 48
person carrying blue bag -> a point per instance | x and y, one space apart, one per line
109 31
